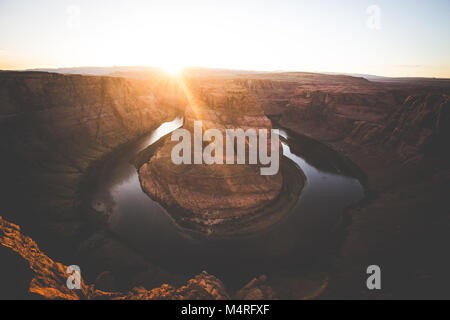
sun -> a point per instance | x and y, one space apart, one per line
172 68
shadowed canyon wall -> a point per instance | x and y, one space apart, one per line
398 134
54 128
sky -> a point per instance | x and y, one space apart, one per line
387 38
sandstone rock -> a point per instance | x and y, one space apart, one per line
205 197
49 277
421 125
257 289
202 287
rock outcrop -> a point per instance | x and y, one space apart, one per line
256 289
420 127
214 199
48 278
201 287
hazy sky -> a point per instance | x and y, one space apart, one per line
393 38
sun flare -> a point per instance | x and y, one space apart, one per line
172 68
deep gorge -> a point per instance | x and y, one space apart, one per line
56 129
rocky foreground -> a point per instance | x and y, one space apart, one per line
28 273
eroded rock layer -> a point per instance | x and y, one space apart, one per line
48 279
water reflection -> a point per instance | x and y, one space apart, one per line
162 130
119 190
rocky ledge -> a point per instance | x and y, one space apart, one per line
47 278
30 273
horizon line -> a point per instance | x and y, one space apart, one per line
353 74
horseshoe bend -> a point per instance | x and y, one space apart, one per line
219 198
224 150
87 166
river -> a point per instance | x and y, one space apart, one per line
301 243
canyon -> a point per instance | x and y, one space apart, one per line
55 129
397 133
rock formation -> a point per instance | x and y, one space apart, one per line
214 199
256 289
48 278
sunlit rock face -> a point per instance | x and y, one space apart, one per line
38 276
213 199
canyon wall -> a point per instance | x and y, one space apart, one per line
53 129
408 117
398 134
